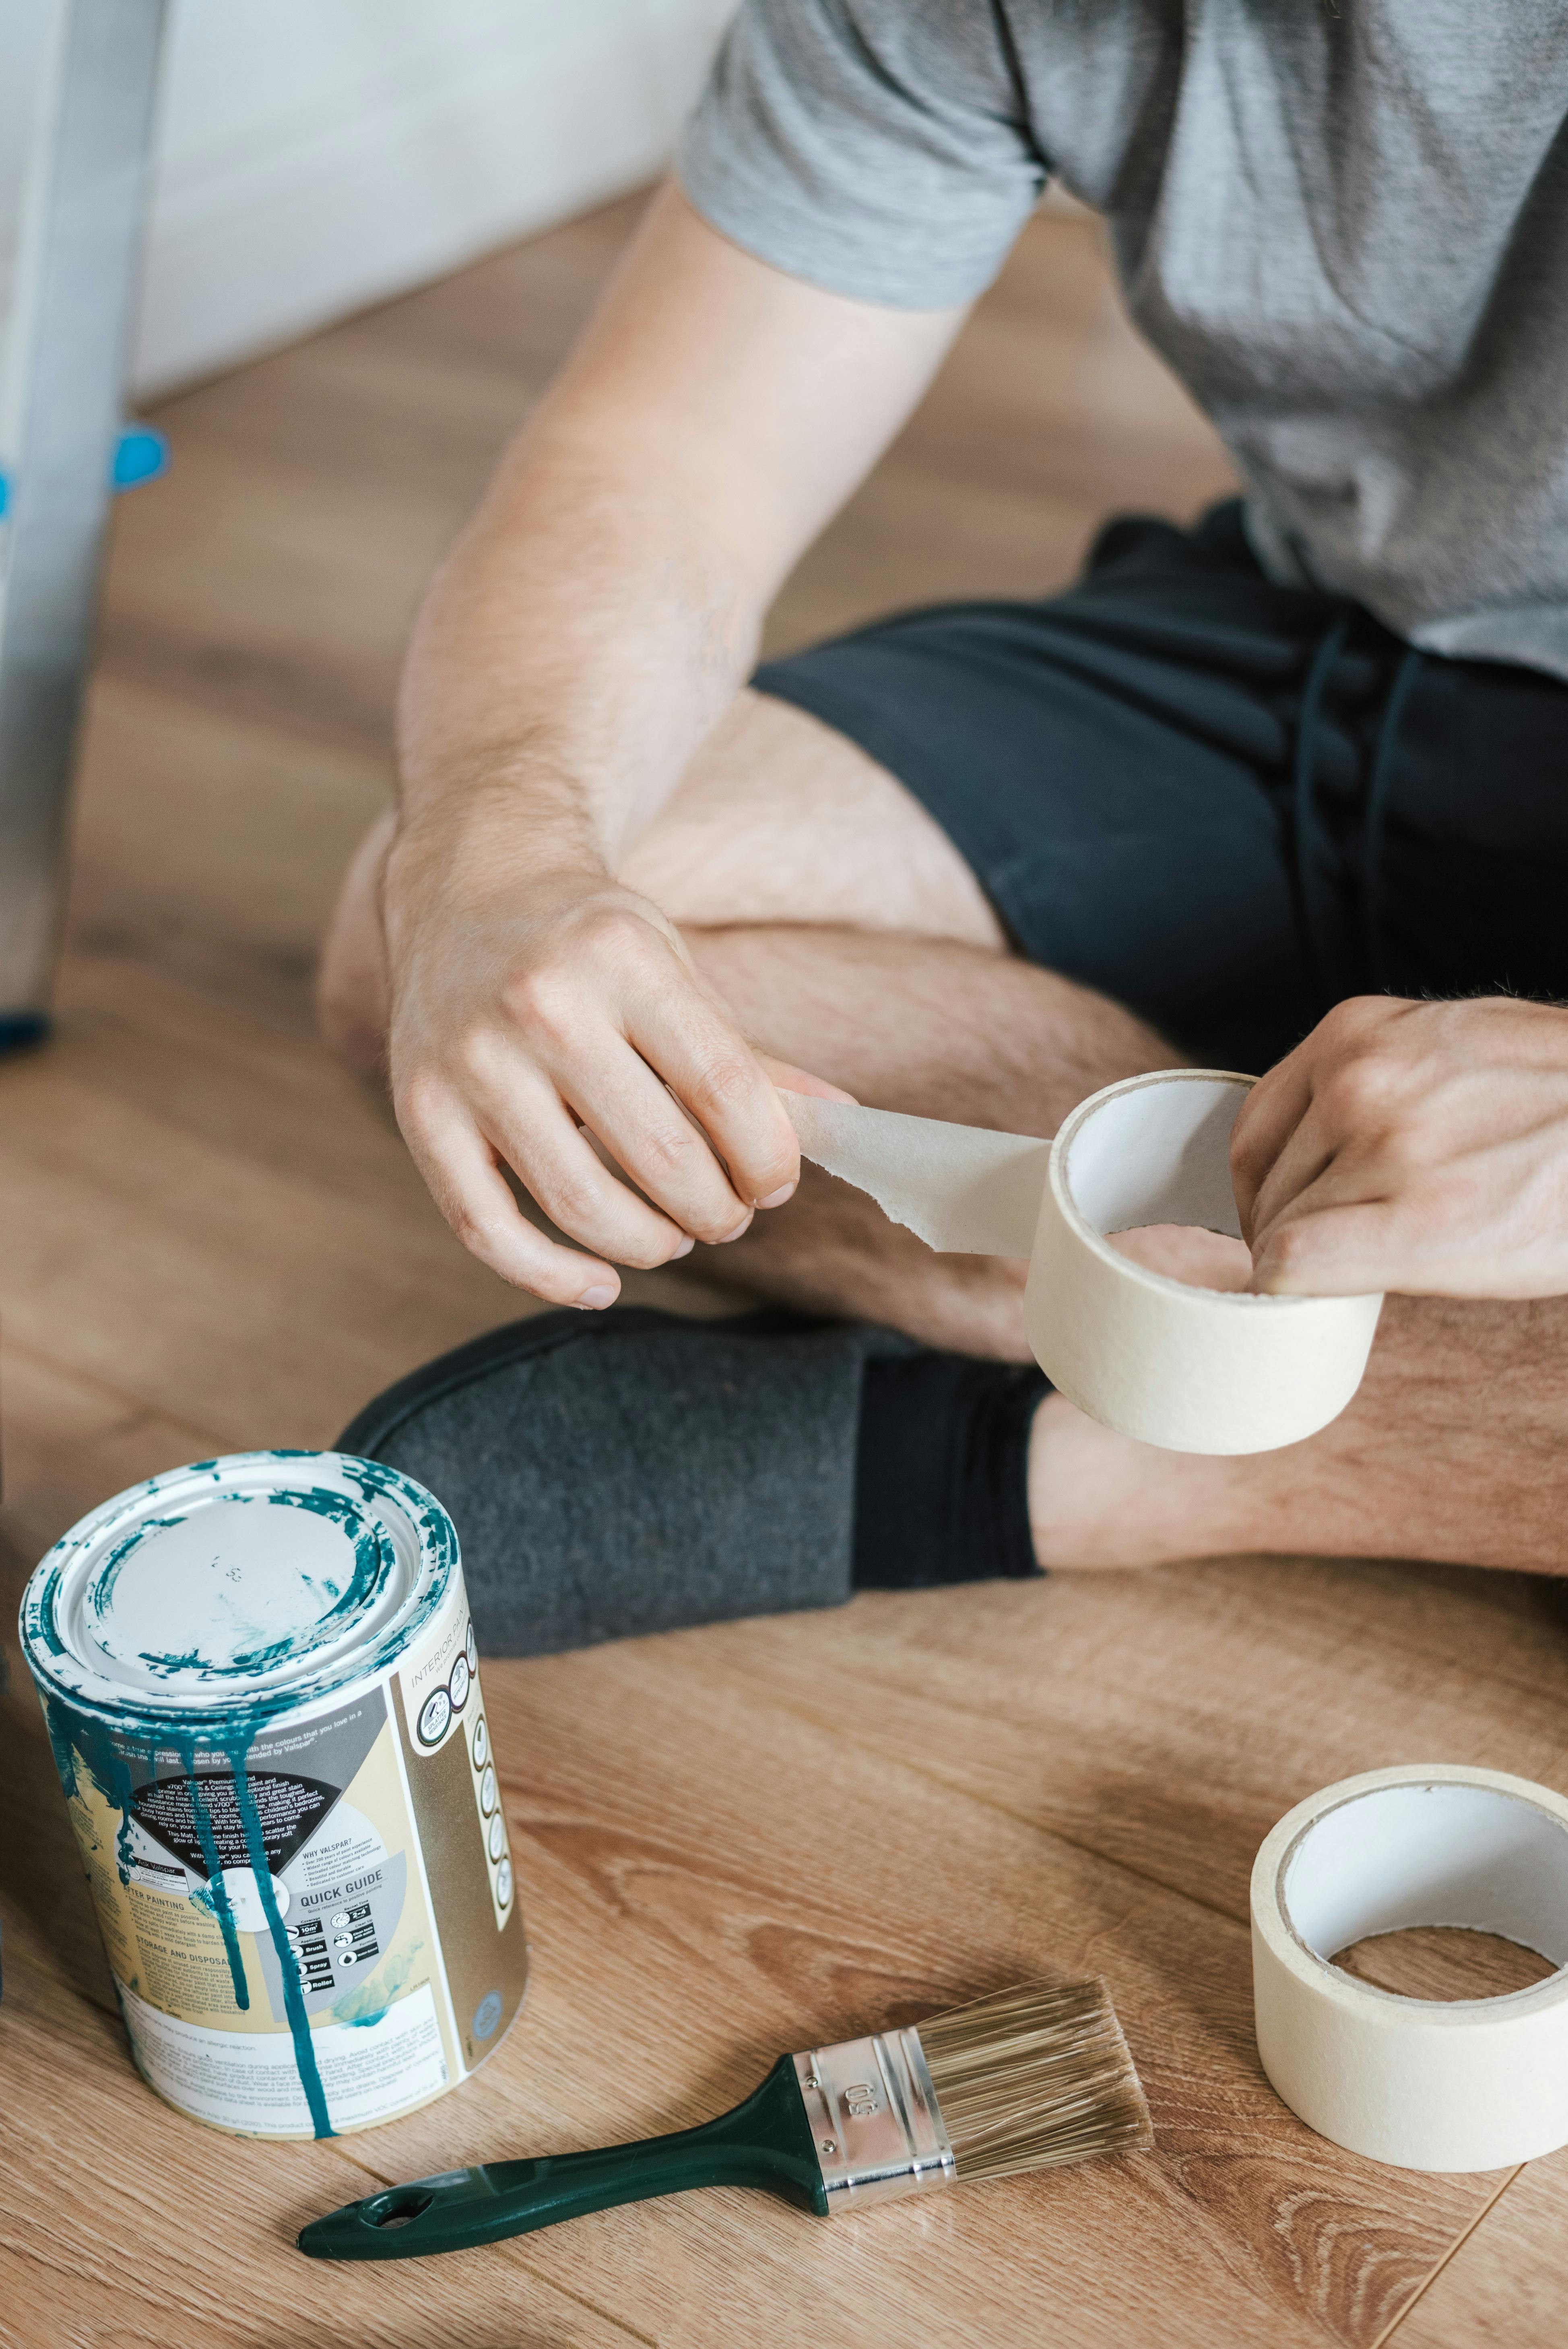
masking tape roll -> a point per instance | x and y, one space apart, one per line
1474 2084
1194 1369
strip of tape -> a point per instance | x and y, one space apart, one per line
1194 1369
1472 2084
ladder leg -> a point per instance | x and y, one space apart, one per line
87 202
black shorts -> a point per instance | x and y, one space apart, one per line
1225 803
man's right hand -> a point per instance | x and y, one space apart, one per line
593 621
532 1011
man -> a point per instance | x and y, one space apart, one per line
1279 778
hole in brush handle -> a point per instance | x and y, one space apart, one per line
396 2209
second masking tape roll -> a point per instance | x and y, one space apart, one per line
1193 1370
1456 2084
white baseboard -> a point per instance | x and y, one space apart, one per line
318 155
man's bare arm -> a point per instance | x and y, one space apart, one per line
595 617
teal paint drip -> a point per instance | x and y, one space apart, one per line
105 1762
258 1660
293 1997
223 1907
60 1745
371 2000
94 1745
242 1633
110 1573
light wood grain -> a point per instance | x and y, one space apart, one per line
1167 1718
121 2224
825 1887
1444 1961
709 1883
731 1842
1508 2280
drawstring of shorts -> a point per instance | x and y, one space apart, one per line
1307 830
1372 826
1303 859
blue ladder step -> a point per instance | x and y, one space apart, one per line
141 455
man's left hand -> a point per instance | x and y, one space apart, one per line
1417 1147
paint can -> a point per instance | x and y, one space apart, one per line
262 1688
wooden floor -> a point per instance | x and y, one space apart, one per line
729 1842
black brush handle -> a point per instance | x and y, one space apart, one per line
766 2141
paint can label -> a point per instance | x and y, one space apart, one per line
312 1921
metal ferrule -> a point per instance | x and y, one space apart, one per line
874 2120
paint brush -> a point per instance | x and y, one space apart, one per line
1034 2076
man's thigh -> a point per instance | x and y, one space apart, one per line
1113 767
780 819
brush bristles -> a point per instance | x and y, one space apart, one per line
1036 2076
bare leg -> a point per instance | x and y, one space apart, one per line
778 819
935 1030
351 998
829 908
1455 1448
852 939
852 924
1457 1445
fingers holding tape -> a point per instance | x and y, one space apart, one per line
1194 1369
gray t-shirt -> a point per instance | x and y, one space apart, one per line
1345 228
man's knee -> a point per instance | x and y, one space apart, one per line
780 820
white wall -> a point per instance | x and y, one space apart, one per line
317 155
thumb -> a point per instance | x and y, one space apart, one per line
1332 1252
791 1080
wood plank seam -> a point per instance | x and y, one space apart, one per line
835 1728
65 2267
518 2258
1456 2246
136 1406
36 2252
1498 1674
933 1776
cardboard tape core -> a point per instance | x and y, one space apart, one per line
1194 1369
1429 1855
1468 2083
1156 1151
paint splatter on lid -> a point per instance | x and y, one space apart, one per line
262 1571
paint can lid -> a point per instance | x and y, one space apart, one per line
239 1578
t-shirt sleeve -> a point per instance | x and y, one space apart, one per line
877 148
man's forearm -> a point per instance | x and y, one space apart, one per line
587 631
591 625
604 603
